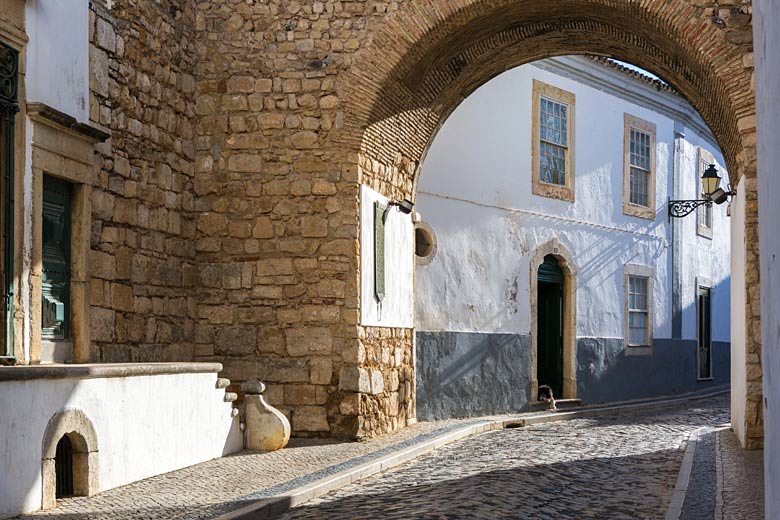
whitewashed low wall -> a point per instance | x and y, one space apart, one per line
148 419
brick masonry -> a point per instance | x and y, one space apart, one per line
225 226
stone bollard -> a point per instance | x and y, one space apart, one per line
267 428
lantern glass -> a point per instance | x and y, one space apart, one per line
710 180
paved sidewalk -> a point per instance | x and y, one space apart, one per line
221 486
740 475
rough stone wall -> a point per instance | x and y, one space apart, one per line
754 407
277 231
143 229
225 220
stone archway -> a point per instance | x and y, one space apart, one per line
321 99
76 426
566 263
423 60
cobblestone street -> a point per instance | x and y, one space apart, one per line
614 465
618 466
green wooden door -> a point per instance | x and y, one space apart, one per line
549 345
55 282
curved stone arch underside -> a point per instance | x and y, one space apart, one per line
566 263
73 423
423 61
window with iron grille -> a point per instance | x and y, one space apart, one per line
638 310
553 141
640 164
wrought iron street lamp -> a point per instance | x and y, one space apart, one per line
710 181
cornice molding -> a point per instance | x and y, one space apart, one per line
628 86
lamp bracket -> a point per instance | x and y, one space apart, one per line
682 208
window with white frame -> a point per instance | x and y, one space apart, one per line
638 325
638 167
553 141
637 310
552 160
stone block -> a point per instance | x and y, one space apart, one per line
300 394
309 341
355 379
102 324
377 382
350 404
314 227
244 162
321 371
310 419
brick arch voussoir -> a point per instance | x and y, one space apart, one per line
424 60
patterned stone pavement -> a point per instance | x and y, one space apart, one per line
618 467
741 480
218 486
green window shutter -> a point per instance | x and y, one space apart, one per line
379 251
55 282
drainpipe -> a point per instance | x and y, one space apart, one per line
675 229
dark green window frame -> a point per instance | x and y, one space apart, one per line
55 258
9 107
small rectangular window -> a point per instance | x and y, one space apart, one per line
638 309
640 168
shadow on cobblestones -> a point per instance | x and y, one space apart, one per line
594 489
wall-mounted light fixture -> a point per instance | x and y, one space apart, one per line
404 206
710 181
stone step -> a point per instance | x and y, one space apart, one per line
559 404
230 397
222 382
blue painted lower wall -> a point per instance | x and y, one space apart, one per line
462 374
467 374
606 372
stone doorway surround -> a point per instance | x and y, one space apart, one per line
566 263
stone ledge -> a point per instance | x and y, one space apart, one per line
103 370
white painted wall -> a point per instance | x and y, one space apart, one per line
397 308
58 55
475 191
146 425
767 45
738 325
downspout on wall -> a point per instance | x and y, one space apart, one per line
675 230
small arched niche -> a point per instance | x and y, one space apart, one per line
69 462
